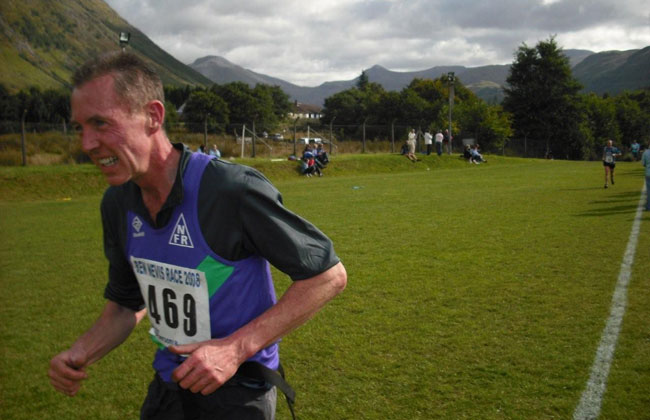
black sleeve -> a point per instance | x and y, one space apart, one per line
122 286
289 242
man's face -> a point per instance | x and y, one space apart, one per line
114 139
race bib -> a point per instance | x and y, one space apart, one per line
609 158
177 301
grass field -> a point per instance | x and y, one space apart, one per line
474 292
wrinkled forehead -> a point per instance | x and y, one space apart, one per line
95 97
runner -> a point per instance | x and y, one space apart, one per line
609 160
189 239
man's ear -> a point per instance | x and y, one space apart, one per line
155 111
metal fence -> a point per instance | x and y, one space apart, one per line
389 138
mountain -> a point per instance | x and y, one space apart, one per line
576 56
485 81
42 42
604 72
613 72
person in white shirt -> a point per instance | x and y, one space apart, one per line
428 141
439 142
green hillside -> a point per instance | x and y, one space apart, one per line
42 42
615 71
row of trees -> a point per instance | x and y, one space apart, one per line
544 100
423 104
542 106
50 106
212 108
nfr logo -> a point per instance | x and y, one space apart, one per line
181 234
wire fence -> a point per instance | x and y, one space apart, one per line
40 139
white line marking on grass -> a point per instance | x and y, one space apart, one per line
592 397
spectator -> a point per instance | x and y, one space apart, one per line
309 166
635 147
215 151
448 139
438 140
410 143
321 155
428 141
646 163
476 157
467 153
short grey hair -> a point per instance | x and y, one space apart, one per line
134 80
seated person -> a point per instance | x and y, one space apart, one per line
304 167
321 156
309 166
476 157
467 153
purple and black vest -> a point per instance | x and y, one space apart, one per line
191 293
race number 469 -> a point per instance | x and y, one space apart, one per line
169 307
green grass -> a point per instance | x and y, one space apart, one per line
474 291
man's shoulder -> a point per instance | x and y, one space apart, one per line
119 195
228 177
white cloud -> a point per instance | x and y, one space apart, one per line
308 43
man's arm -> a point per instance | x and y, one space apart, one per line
213 362
67 369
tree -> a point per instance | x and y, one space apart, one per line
244 105
281 103
631 118
363 80
205 107
272 105
542 96
177 95
487 124
345 106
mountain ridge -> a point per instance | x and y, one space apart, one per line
598 72
43 42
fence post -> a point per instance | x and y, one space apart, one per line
205 132
243 139
392 136
253 140
363 144
295 123
525 145
331 136
22 137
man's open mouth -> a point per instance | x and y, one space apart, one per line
109 161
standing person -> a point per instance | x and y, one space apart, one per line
189 239
609 160
448 139
438 141
410 143
428 141
635 147
645 159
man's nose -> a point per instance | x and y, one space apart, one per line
89 141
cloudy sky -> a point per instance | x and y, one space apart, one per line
311 42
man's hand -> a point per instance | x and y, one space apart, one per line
67 371
208 366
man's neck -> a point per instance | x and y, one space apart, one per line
156 185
